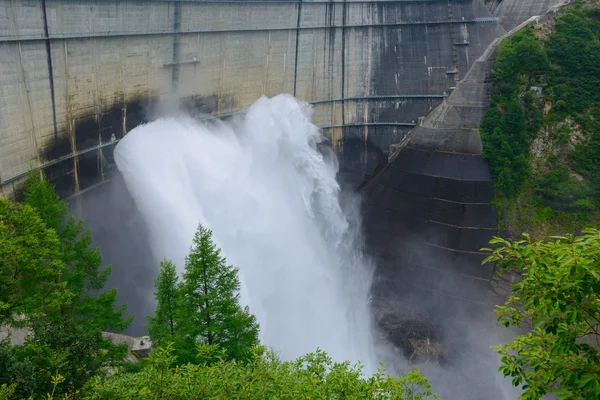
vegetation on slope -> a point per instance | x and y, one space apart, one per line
265 376
544 149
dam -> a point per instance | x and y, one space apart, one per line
398 87
76 76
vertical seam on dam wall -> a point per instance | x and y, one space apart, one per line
297 43
50 73
176 28
343 62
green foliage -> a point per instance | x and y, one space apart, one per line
74 348
508 125
162 324
30 267
48 273
19 376
574 47
521 55
264 376
82 270
561 191
203 309
567 67
559 300
7 391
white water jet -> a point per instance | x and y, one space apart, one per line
273 204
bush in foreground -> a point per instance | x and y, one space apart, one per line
313 376
559 300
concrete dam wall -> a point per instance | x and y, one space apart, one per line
429 212
75 76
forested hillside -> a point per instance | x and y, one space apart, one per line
541 134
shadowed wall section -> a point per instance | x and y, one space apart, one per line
429 212
118 228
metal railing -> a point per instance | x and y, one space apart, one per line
229 114
92 35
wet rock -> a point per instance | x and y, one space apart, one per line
419 340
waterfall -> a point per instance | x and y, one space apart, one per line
271 198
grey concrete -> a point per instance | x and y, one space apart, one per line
108 70
428 213
514 12
112 60
138 346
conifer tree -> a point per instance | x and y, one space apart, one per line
30 267
55 274
162 324
209 311
82 272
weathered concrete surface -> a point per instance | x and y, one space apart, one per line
76 75
514 12
17 335
429 212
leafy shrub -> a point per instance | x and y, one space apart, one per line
559 298
313 376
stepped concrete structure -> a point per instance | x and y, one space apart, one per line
429 212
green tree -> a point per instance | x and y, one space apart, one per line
72 347
209 311
49 273
16 373
558 300
30 267
519 55
264 376
82 271
162 324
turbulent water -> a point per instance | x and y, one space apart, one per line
274 206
